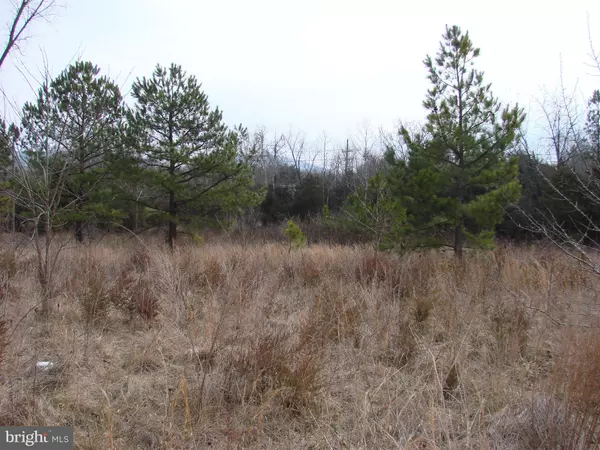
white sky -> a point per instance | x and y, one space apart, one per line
316 66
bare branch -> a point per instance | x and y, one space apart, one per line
595 55
27 12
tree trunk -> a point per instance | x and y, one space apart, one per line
459 239
172 234
79 205
43 250
13 217
43 278
172 223
79 230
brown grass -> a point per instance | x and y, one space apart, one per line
575 388
3 338
242 346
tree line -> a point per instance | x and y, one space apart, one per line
81 158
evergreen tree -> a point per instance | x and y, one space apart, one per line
277 204
8 136
6 142
188 159
79 116
457 175
295 236
592 126
375 213
308 197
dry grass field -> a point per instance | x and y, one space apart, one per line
254 346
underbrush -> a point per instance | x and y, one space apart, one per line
249 346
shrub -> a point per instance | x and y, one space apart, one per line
398 344
132 294
296 238
91 287
272 368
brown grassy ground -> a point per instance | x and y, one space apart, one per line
231 346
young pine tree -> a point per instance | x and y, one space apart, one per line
188 159
457 176
92 111
295 236
79 116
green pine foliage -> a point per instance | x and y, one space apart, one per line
8 135
458 177
375 212
592 127
76 121
296 238
189 162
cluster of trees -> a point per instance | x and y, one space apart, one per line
301 179
560 199
469 173
80 156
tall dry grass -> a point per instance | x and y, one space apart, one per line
242 346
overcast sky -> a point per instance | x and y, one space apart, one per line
316 65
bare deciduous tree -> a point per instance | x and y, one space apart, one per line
25 13
39 178
364 142
295 144
269 148
394 141
561 117
579 237
39 181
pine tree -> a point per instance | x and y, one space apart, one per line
592 126
6 142
8 136
187 157
296 238
79 115
457 175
